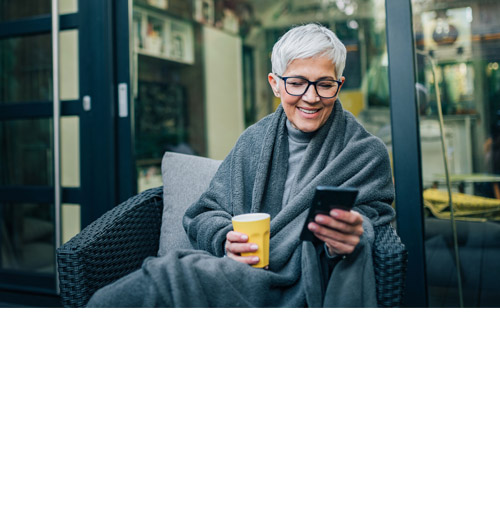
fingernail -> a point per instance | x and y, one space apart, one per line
243 237
334 213
254 247
311 227
255 260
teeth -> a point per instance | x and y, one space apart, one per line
309 111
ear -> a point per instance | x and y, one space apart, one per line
274 85
341 79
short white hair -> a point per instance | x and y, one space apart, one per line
308 40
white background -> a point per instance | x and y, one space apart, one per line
249 419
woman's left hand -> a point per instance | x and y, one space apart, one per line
341 230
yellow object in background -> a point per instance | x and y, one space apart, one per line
257 227
468 207
352 100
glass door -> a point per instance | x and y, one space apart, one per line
166 83
458 90
45 182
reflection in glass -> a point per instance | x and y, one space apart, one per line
464 44
27 239
26 152
25 69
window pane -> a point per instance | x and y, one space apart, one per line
27 237
70 221
26 152
68 6
26 69
458 56
69 64
70 151
13 9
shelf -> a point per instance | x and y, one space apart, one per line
161 57
159 8
158 35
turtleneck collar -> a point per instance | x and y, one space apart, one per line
298 136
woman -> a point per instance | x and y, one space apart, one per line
275 167
306 112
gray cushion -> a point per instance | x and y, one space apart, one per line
185 178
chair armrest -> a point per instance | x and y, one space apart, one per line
111 247
390 259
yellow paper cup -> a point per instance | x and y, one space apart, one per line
257 227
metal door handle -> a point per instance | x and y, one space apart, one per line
123 100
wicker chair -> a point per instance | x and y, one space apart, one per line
118 242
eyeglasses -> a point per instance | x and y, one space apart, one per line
298 86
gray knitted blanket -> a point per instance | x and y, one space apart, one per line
252 179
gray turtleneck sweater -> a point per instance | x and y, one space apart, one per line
297 145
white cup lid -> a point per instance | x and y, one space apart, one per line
248 217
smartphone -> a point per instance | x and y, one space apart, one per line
327 198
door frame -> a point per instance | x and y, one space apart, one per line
97 192
406 147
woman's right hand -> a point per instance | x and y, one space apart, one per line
236 244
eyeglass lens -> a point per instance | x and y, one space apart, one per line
297 86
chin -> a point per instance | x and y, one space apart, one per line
307 126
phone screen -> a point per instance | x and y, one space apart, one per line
327 198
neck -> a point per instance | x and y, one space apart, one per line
298 135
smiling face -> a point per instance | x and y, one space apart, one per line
308 112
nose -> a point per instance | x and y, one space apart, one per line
310 94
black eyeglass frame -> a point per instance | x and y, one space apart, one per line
309 83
